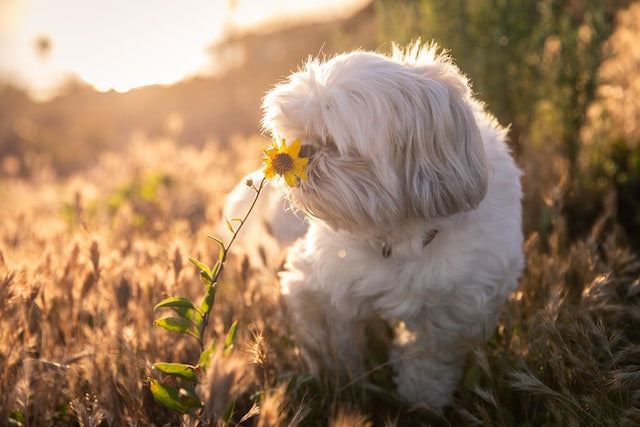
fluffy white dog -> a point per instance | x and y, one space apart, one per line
413 209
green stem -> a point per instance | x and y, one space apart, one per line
225 249
235 234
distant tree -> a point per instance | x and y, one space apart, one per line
529 60
535 63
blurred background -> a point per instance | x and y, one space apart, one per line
78 79
123 125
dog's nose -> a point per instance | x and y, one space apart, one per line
307 151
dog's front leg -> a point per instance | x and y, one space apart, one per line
328 337
428 360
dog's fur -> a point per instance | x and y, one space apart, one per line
414 213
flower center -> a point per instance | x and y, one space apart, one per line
282 163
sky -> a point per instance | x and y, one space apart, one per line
123 44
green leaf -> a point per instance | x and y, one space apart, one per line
472 378
191 315
195 317
231 337
208 300
221 255
205 272
190 398
184 307
17 415
200 265
175 302
297 383
175 324
215 271
229 225
227 416
218 267
167 396
218 241
181 370
206 278
205 356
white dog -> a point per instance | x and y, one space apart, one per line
413 209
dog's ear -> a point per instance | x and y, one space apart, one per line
447 170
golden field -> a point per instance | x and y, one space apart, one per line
105 197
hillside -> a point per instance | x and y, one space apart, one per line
193 111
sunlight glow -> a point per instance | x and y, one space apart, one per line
252 13
122 44
117 44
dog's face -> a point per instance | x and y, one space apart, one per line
389 139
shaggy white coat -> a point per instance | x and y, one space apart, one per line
414 209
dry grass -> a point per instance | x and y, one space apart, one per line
83 264
80 274
83 261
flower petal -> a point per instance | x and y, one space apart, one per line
290 179
299 167
269 153
294 148
269 172
300 163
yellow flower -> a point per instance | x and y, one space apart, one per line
285 162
